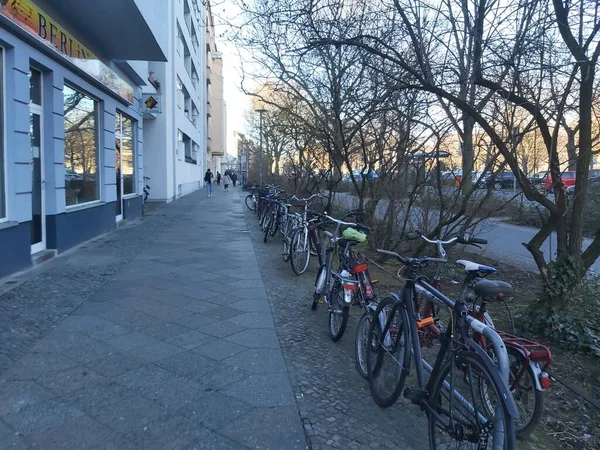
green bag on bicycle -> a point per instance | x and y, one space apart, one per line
353 234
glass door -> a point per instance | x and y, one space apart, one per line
118 143
38 216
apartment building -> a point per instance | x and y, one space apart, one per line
176 136
216 140
71 130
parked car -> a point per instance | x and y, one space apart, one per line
594 177
537 178
502 180
358 176
568 179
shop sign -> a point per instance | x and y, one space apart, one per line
35 21
151 104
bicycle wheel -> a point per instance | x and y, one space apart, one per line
361 343
529 400
300 256
338 312
265 223
287 238
268 225
388 357
476 418
249 201
274 224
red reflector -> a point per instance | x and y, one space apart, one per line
359 268
545 380
350 287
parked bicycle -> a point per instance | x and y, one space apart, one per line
301 235
528 360
466 398
336 286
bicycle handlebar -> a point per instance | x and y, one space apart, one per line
466 239
405 260
306 200
358 226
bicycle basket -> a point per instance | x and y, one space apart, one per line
353 234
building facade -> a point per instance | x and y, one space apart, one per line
216 142
71 129
179 139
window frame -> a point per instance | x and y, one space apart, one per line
133 150
4 213
99 162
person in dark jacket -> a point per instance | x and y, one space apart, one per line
218 177
233 178
208 177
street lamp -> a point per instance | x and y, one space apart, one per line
260 155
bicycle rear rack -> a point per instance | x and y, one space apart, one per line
532 351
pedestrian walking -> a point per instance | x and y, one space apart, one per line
226 181
208 177
218 177
234 178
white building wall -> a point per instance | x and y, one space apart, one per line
170 174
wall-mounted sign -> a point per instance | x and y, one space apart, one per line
151 104
28 16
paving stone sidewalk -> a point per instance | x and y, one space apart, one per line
157 336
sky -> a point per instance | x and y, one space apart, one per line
224 12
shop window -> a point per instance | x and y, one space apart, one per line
82 179
2 179
124 127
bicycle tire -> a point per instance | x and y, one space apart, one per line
249 201
298 266
274 224
267 226
397 341
361 343
527 421
437 394
337 308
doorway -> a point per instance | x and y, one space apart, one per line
38 183
124 161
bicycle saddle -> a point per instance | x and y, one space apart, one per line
492 289
471 266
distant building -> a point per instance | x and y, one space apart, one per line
216 142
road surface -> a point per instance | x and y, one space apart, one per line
505 241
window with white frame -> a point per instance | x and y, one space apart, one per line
82 181
180 96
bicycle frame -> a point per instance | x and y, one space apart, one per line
461 322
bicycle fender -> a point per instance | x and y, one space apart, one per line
535 367
511 406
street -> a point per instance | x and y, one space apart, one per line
504 239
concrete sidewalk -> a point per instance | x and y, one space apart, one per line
175 349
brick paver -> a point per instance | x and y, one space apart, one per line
333 399
157 336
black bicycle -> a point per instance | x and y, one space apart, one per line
466 399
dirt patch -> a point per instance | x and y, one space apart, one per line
568 421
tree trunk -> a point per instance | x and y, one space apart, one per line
468 154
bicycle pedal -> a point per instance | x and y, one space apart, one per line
416 396
321 301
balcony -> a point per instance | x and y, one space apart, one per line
208 67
